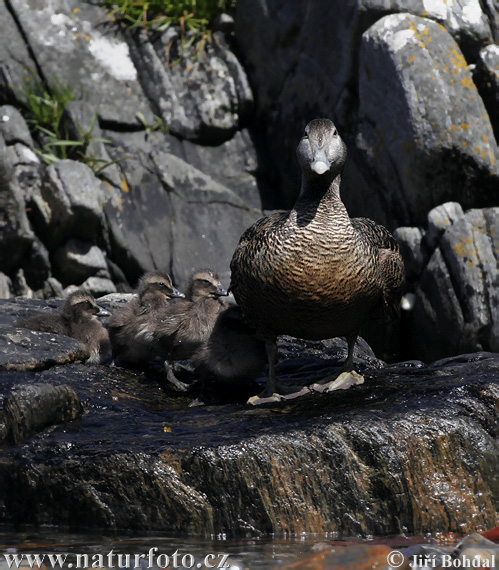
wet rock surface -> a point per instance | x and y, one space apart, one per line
412 450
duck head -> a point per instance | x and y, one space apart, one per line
157 284
205 283
81 305
321 151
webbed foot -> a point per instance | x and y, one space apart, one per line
343 381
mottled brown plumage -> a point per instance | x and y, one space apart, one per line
132 330
313 272
184 327
78 319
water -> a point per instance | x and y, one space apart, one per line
98 550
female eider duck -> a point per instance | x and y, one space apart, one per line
314 272
78 319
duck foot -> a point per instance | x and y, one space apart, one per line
174 381
289 393
344 381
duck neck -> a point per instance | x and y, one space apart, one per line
320 194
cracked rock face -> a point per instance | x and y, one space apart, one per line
457 306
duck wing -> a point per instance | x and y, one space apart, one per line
392 270
251 242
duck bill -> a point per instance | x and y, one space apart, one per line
102 312
221 292
176 294
321 163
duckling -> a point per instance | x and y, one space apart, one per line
77 319
232 358
185 327
132 330
315 273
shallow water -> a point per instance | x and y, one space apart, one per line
108 550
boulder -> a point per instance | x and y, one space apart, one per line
15 232
208 218
458 298
5 286
314 75
13 127
199 89
423 126
69 204
31 408
486 77
72 49
410 241
77 260
16 57
411 450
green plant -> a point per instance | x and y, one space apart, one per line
44 106
188 14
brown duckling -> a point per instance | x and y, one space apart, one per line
315 273
186 326
232 358
78 319
132 330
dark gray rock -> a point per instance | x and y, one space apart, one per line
423 126
234 164
69 204
15 232
410 241
98 286
310 74
410 450
486 77
5 286
77 260
36 265
457 303
70 47
439 221
32 408
22 349
16 58
201 94
199 205
13 127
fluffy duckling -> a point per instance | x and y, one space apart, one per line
315 273
233 357
78 319
132 330
186 326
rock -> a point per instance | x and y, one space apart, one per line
311 75
410 241
439 220
199 204
16 57
72 196
456 306
410 450
70 47
22 349
486 77
5 286
234 164
98 286
32 408
208 97
15 231
13 127
36 265
51 288
423 125
77 260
